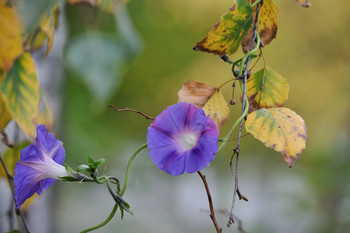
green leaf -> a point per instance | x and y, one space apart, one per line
123 205
266 89
93 164
14 231
228 33
20 92
280 129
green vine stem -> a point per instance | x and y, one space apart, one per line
115 208
245 112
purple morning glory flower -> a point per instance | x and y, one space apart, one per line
182 138
39 166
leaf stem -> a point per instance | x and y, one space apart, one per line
115 208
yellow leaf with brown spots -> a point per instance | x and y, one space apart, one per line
303 3
195 93
280 129
20 93
266 89
10 37
228 33
267 24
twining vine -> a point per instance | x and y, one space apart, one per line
183 138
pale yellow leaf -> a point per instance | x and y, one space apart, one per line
280 129
217 109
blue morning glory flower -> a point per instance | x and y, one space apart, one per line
39 166
182 138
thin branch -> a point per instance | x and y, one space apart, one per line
131 110
5 139
10 181
212 212
237 149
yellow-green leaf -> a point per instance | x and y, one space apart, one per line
10 37
227 34
280 129
20 92
267 24
5 115
266 89
216 107
45 30
303 3
11 157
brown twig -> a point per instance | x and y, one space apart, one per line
212 212
131 110
237 149
5 140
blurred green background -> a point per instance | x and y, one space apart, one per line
147 61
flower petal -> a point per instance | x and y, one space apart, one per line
166 135
40 162
158 138
52 146
173 118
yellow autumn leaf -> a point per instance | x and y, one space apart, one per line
266 89
5 115
227 34
10 37
303 3
280 129
267 24
20 93
217 109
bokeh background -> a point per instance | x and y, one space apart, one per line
139 59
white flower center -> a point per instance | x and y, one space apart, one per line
188 141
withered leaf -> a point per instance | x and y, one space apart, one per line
210 99
195 93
